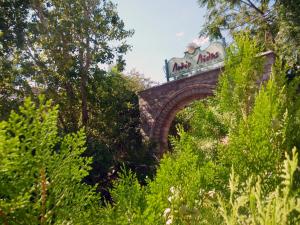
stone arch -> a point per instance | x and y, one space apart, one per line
175 103
159 104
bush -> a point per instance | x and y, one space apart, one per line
249 127
249 204
40 172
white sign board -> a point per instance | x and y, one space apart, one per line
196 61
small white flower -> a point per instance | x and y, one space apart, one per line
172 190
169 221
170 198
211 193
167 212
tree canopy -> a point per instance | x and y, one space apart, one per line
62 49
274 24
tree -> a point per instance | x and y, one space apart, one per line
140 81
72 39
287 39
114 131
13 30
236 15
274 24
64 44
41 172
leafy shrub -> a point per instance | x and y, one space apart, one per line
249 204
239 81
40 172
256 145
129 201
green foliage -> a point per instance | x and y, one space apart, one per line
114 114
257 143
58 48
62 46
274 25
177 194
204 119
13 29
293 107
175 171
248 126
13 24
259 17
258 113
41 173
129 201
287 39
239 81
249 204
69 42
114 129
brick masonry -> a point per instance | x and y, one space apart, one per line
159 105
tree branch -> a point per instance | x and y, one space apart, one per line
246 3
2 214
252 5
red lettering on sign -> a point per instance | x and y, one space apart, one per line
202 58
181 66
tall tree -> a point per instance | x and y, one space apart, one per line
288 37
73 39
13 29
61 49
65 43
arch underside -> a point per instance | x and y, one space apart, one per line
176 103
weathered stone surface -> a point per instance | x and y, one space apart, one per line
159 105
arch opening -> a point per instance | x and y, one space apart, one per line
165 118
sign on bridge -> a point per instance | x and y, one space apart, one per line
195 60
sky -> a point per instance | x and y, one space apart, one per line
163 29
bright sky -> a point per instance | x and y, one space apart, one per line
163 29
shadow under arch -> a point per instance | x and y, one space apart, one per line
176 102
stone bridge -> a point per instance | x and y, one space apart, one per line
159 105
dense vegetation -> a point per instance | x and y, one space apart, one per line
241 138
79 158
247 144
58 48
